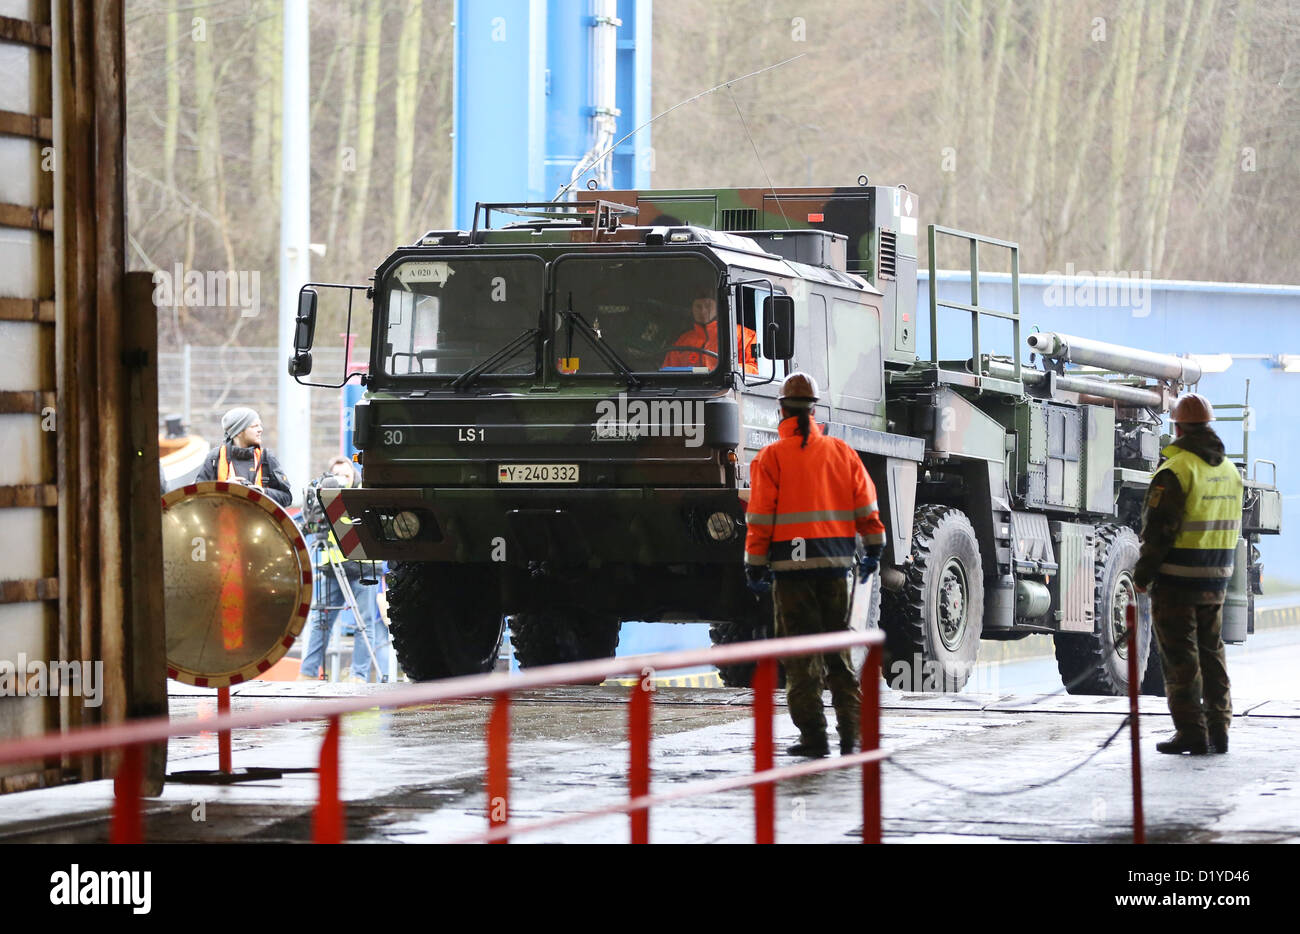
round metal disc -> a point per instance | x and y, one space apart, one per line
237 583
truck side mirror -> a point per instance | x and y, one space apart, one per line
305 330
778 327
300 364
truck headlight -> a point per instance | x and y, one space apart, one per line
721 527
406 525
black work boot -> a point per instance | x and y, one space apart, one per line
815 748
849 733
1182 742
1219 740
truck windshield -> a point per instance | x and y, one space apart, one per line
659 314
448 315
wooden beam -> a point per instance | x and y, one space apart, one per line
40 495
25 402
27 309
29 591
108 590
20 30
29 125
145 632
26 218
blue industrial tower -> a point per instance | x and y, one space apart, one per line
541 87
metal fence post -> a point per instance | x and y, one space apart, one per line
764 712
1130 618
223 736
187 376
638 775
498 764
127 809
870 740
328 820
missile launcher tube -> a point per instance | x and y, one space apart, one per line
1132 396
1115 357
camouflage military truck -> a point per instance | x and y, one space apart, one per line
561 409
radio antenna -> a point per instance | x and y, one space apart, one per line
726 84
770 186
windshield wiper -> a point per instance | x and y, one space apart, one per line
502 355
606 352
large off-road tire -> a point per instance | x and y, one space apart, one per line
1097 662
933 623
563 634
445 619
728 632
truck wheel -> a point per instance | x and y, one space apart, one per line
1097 663
445 620
933 624
729 632
566 634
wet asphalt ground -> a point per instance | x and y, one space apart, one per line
966 768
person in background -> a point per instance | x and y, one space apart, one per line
704 335
344 474
240 458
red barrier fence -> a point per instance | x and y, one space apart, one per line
133 736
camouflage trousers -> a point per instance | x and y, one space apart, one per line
1196 673
805 606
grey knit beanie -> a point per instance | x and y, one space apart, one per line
236 420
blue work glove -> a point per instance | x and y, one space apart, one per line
868 563
758 578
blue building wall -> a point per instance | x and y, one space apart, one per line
1168 317
522 98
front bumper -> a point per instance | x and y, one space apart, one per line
565 527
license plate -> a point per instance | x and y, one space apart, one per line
537 473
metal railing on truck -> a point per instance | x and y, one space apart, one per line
974 308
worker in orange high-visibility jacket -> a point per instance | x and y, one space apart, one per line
810 497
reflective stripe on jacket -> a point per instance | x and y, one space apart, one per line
807 503
223 467
1203 551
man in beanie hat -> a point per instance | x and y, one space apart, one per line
240 458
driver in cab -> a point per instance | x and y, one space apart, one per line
704 335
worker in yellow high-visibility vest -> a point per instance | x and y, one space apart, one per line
1190 525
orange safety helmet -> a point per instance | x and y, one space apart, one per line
798 391
1191 409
